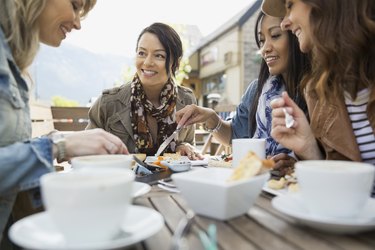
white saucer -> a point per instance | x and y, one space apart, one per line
203 162
292 206
140 188
274 192
38 232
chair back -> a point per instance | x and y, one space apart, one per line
70 118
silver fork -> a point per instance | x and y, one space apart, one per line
162 182
169 189
167 141
182 229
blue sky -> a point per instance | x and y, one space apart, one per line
113 25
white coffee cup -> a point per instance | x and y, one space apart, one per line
88 206
241 147
95 161
335 188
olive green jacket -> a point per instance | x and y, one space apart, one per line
111 112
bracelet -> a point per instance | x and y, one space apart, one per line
216 129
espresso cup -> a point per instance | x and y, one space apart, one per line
241 147
335 188
88 206
98 161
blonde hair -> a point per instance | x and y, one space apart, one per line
18 20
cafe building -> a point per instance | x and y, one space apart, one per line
226 61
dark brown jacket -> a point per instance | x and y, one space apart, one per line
332 127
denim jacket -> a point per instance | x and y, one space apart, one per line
241 126
22 161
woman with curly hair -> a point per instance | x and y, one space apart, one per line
340 91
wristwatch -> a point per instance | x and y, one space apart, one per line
58 139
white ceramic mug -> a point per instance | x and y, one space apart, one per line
88 206
241 147
335 188
95 161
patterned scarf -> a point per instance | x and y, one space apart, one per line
164 115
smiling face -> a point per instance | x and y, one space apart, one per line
150 61
297 20
57 19
273 45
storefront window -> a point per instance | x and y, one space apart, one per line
215 84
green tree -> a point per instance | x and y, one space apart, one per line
60 101
183 70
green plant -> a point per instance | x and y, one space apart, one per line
60 101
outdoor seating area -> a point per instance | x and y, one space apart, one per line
257 133
45 118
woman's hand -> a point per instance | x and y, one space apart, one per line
192 114
93 141
299 138
190 151
284 164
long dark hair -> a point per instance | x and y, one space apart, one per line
171 42
298 65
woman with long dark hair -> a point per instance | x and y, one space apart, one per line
142 113
281 69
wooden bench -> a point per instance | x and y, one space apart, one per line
70 118
41 119
45 118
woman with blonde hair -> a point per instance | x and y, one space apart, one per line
23 26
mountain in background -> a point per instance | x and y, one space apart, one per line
78 74
75 73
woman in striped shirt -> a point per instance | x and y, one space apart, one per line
340 91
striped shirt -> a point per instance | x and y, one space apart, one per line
361 126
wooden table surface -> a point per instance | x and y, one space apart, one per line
262 227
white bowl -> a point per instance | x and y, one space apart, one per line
208 192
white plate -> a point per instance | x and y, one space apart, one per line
275 192
203 162
151 159
140 188
38 232
292 206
